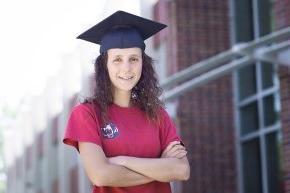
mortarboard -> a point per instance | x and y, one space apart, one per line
121 30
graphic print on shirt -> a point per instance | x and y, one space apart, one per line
110 131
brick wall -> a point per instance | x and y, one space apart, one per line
199 29
282 13
284 76
282 19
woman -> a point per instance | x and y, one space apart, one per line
126 140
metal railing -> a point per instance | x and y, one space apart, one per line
265 48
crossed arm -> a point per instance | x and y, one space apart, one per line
123 171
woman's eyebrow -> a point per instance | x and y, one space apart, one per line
120 56
135 55
117 56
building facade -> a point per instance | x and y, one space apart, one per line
236 127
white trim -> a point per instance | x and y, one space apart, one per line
239 180
271 53
260 132
255 97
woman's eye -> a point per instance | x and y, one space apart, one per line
134 59
117 60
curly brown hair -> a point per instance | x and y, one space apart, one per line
144 95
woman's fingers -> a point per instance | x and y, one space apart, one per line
177 153
169 147
181 154
171 144
174 150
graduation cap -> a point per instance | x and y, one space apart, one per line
121 30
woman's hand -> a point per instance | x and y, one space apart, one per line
174 150
172 165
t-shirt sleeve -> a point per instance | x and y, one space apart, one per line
168 130
82 126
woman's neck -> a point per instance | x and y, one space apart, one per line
122 99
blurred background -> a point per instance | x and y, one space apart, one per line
224 67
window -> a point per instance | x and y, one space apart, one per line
249 118
274 159
247 81
252 166
268 72
271 113
257 104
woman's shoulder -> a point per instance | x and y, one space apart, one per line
163 114
162 110
88 107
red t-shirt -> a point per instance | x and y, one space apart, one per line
129 133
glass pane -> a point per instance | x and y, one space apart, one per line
249 118
267 75
252 167
265 17
270 113
244 21
247 81
274 160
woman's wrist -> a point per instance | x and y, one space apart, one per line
122 160
118 160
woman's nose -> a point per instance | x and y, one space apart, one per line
127 65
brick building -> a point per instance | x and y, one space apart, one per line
236 127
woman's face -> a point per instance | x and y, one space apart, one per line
124 68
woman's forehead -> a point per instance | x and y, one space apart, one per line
124 51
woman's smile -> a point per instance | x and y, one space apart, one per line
126 77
